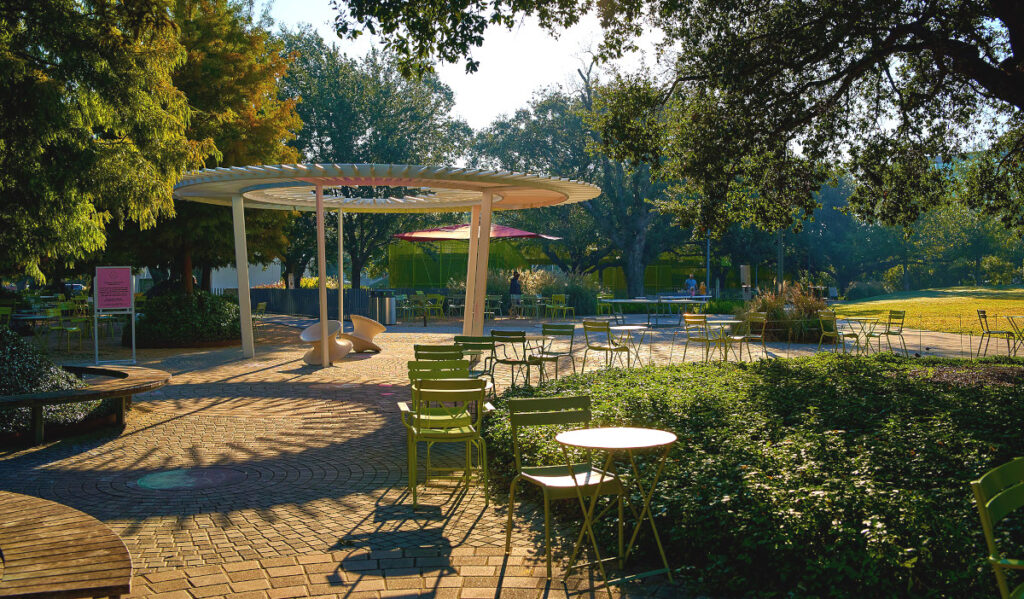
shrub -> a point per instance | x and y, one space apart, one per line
180 320
862 289
792 315
24 369
829 476
582 291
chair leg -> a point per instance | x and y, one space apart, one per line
483 469
511 509
547 530
412 468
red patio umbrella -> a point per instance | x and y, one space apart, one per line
461 232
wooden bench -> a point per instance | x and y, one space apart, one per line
123 382
52 550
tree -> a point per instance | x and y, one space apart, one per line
892 85
230 78
553 136
92 131
363 111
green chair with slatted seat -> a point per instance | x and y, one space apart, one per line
560 347
695 329
997 494
830 331
446 411
438 369
62 325
480 350
597 335
893 328
510 350
437 352
757 323
558 482
988 333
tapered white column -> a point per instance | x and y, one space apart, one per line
482 255
242 268
474 241
321 272
341 269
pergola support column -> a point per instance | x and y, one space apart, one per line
321 271
341 268
242 269
474 243
482 256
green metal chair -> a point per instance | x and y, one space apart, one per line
603 308
757 322
532 305
830 330
598 337
997 494
695 328
437 352
446 411
559 305
512 352
893 328
435 305
492 306
438 369
988 333
557 482
61 324
550 353
481 351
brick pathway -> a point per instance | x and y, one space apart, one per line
303 490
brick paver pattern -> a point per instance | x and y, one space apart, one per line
313 500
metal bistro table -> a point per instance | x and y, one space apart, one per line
633 342
721 324
652 307
624 442
863 327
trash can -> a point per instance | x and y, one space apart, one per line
383 308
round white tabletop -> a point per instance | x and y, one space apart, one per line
628 327
616 438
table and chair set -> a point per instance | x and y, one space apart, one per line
54 316
447 405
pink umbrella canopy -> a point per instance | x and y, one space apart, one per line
461 233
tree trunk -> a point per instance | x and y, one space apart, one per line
207 279
186 271
357 270
634 268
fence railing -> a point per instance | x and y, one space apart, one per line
306 302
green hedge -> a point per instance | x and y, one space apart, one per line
830 476
24 369
181 320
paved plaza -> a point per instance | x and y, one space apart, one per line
270 478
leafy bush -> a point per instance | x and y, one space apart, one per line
862 289
24 369
180 320
724 306
582 291
829 476
792 315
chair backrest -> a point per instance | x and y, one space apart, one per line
983 320
420 370
545 411
695 324
998 493
454 396
758 322
558 299
261 308
437 352
594 329
827 321
558 330
510 340
475 343
895 322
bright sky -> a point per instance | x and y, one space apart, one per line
513 64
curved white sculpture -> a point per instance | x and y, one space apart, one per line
338 348
363 331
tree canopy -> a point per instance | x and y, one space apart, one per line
905 93
363 111
92 129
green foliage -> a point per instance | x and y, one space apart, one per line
831 476
862 289
181 319
230 78
792 314
92 131
24 369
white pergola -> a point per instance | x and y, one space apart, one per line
426 189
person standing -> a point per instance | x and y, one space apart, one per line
515 292
691 284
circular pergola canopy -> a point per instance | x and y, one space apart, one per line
417 188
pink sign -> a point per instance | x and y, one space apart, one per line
113 286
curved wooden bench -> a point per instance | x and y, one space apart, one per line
51 550
123 382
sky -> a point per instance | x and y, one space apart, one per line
513 64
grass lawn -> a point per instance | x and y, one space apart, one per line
952 309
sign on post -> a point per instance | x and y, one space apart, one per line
113 293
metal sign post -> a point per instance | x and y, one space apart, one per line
113 294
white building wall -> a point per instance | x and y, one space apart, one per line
227 278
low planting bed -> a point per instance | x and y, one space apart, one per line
829 476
